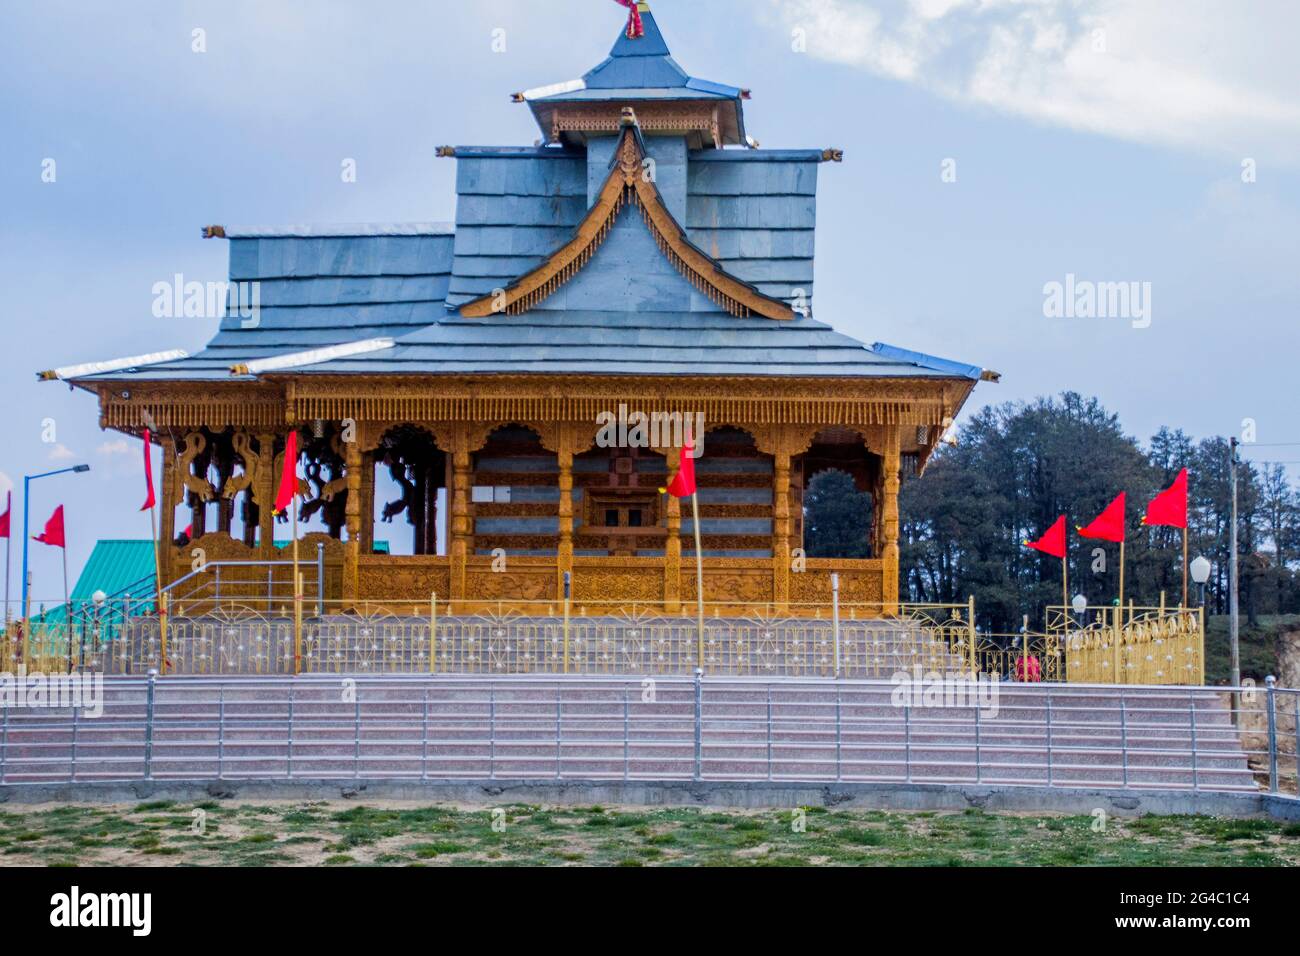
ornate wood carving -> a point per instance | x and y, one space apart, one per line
437 402
701 117
889 552
403 578
190 405
192 462
740 581
628 184
611 582
860 582
351 568
242 442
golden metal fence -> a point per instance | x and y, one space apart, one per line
1139 646
1155 646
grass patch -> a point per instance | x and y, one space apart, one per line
339 834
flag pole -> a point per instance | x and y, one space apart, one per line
297 583
1065 590
67 603
158 589
9 540
699 581
1121 579
1184 565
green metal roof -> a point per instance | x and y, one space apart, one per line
113 566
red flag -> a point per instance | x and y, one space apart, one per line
1170 506
148 474
53 533
4 518
683 484
1053 540
1109 525
289 477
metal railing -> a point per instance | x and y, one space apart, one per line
265 585
540 729
206 635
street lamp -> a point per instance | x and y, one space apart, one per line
27 500
1080 605
1201 574
98 599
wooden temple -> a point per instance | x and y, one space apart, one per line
646 265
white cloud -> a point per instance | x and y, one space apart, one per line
1185 73
61 452
6 483
118 447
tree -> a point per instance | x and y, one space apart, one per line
1019 465
837 517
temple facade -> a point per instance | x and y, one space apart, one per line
522 379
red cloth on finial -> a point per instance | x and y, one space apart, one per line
635 28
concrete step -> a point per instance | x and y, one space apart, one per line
474 728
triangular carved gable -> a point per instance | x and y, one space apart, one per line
627 185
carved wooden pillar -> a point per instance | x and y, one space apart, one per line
892 468
171 495
353 460
367 504
781 523
264 492
564 554
224 464
461 522
673 546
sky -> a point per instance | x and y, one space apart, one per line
992 149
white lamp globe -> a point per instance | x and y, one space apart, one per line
1200 570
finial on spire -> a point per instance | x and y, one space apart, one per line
635 28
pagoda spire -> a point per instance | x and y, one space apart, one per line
640 71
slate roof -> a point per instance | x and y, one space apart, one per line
323 286
628 311
629 343
755 211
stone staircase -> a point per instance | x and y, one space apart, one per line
548 728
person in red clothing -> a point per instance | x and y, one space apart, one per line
1028 670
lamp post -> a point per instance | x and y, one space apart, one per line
1233 625
1080 605
98 598
27 501
1200 575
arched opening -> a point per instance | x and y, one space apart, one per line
411 478
840 482
515 494
735 497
